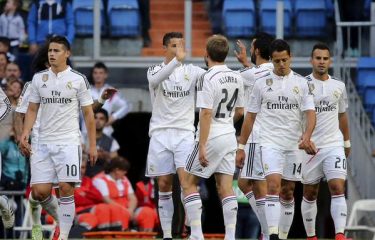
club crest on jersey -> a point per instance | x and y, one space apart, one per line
296 90
186 77
69 85
336 94
151 168
266 167
45 77
269 82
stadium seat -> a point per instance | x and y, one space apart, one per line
311 19
239 18
359 210
330 8
369 98
366 74
84 17
267 15
124 18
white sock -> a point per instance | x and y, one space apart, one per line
261 214
193 206
286 218
166 210
35 210
230 208
250 197
272 209
187 223
339 212
309 211
51 205
66 215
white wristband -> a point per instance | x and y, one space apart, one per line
347 144
101 100
241 146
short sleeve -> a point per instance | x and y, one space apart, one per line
34 94
307 98
84 93
248 76
255 99
23 100
205 95
343 101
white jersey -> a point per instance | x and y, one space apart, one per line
250 75
221 90
23 104
281 102
330 99
172 90
5 105
60 97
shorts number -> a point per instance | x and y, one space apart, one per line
229 105
337 163
71 170
297 169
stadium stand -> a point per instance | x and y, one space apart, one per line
124 18
310 18
366 83
83 15
239 18
267 17
358 215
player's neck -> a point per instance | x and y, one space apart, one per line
99 85
99 134
167 60
211 64
260 61
321 77
58 69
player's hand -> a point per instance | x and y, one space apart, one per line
203 156
93 155
347 152
180 51
240 158
24 145
108 93
308 145
241 55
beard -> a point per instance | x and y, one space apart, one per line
205 61
253 58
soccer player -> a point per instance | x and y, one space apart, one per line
6 211
251 180
220 96
172 90
58 92
331 137
281 97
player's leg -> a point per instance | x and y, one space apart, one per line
309 209
224 185
165 204
7 213
260 193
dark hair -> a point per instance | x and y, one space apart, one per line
5 41
217 48
262 42
320 46
100 65
117 162
102 111
40 59
6 56
60 40
279 45
168 36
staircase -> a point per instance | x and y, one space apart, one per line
168 16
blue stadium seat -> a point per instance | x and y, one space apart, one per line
365 74
369 97
83 16
267 15
311 19
330 8
239 18
124 18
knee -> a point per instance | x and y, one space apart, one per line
40 194
287 192
273 187
337 189
310 194
244 185
164 184
66 189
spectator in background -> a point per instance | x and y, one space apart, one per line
107 146
12 25
3 64
144 10
12 71
4 47
116 106
47 18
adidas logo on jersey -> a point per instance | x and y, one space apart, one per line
269 90
44 86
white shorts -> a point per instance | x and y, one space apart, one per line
287 163
50 162
168 150
329 162
253 166
221 153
